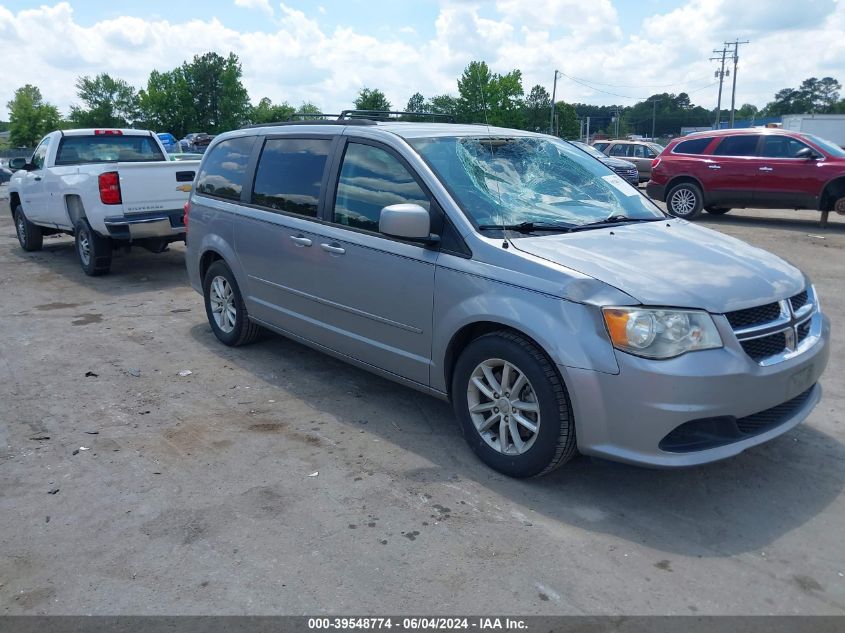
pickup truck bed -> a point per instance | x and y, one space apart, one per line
107 188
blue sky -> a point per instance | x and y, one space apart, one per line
326 51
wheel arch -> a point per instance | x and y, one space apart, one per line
833 191
74 208
473 331
677 180
14 202
207 259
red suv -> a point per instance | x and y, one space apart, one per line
757 167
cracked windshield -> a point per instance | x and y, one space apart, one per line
510 181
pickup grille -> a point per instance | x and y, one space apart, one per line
768 331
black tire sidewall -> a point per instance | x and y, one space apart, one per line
21 238
221 269
90 268
699 200
542 453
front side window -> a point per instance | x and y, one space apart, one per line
776 146
290 174
829 146
692 146
222 172
76 150
40 154
742 145
514 180
371 179
639 151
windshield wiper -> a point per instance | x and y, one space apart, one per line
527 227
613 219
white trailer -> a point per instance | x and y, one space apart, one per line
826 126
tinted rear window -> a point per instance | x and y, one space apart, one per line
290 174
223 170
75 150
744 145
692 146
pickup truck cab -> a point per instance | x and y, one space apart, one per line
104 187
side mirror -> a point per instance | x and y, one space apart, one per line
17 163
406 221
806 153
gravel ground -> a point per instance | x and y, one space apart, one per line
276 480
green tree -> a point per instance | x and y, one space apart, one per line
108 102
416 103
484 96
537 105
167 104
268 112
372 99
812 96
443 104
30 117
566 124
220 100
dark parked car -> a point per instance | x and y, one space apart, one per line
759 167
623 168
200 142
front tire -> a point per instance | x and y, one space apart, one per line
513 406
30 236
685 201
225 308
93 250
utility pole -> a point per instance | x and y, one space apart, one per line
587 141
721 75
735 44
552 108
616 120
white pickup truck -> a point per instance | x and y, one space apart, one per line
105 187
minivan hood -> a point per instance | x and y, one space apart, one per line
672 263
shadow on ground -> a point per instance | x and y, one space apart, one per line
739 505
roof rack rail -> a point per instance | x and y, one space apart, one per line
384 115
317 119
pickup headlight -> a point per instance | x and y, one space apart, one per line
660 333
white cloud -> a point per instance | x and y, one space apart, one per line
297 58
263 5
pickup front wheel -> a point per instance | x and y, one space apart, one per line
29 234
94 251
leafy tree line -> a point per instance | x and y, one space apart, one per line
206 94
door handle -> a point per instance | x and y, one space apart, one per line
334 250
300 241
714 166
765 169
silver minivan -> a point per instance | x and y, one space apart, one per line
553 304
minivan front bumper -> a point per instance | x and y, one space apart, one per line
720 394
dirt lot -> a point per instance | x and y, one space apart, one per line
196 493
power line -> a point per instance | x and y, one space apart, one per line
599 83
615 94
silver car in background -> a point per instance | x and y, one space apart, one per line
556 307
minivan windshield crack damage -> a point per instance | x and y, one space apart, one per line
531 184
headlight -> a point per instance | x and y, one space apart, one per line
659 333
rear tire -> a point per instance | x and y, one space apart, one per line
225 308
717 210
685 201
30 236
93 250
529 406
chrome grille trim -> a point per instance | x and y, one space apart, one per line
797 327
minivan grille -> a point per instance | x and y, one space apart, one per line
771 329
753 316
763 347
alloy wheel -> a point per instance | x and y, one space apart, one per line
222 300
683 202
503 406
